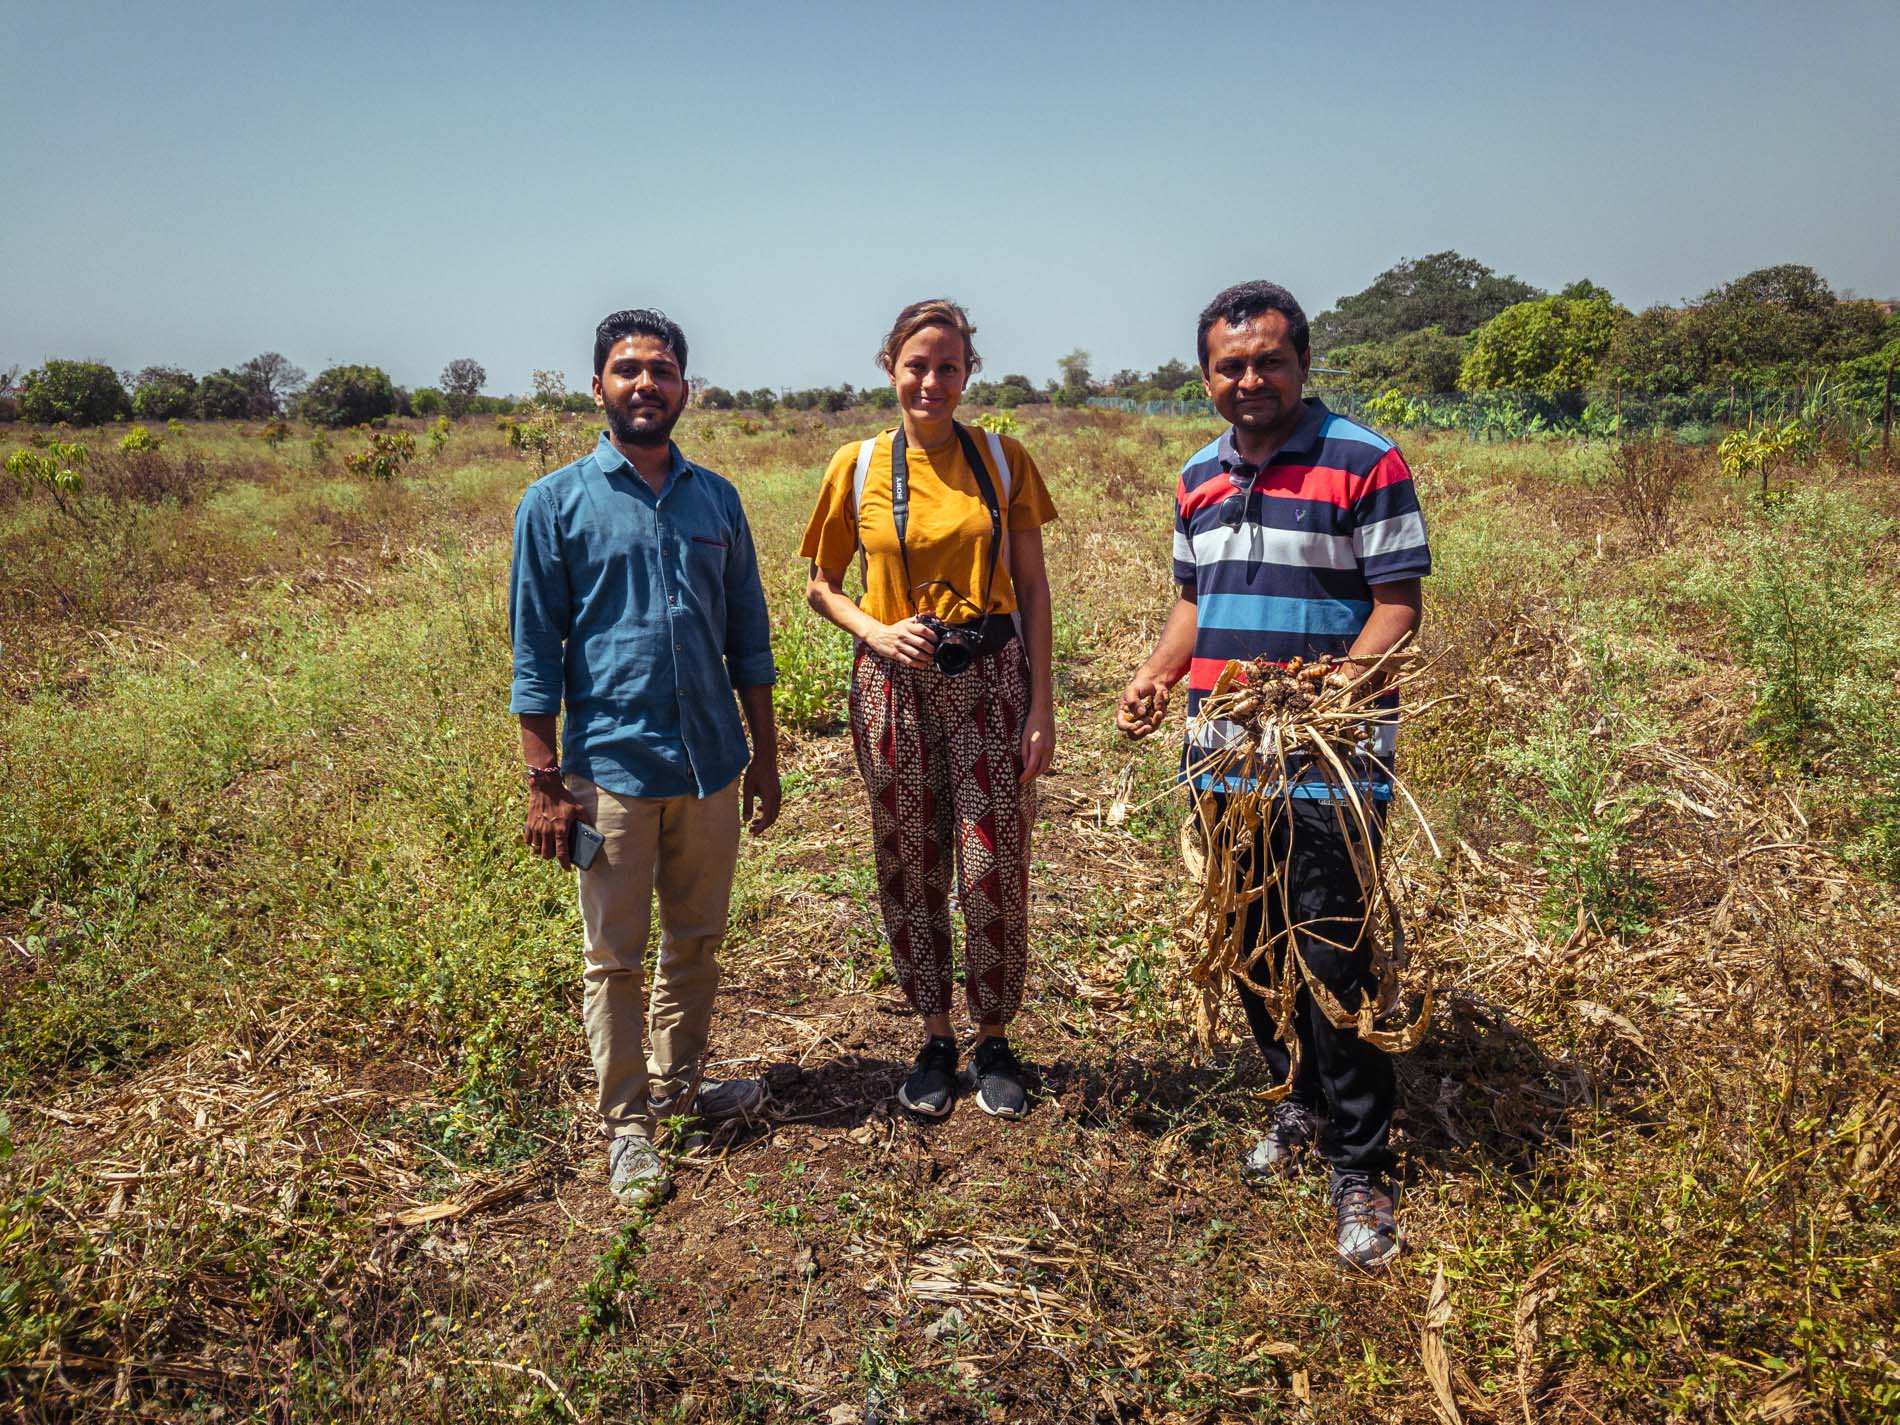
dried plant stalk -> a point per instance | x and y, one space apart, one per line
1297 724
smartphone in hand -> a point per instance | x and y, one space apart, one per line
583 844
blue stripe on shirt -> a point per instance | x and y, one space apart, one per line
1266 613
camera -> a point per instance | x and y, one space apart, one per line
956 648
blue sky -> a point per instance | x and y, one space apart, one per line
403 184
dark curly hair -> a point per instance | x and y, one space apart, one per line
638 321
1244 301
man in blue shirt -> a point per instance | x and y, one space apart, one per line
636 608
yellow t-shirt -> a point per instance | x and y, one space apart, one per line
948 534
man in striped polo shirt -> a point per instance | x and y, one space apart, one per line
1296 534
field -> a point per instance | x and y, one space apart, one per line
295 1092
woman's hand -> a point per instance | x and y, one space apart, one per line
909 643
1039 741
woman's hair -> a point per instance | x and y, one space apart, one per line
937 312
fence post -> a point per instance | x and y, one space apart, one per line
1886 418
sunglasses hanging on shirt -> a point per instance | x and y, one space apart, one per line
1233 509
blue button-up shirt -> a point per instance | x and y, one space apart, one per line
641 613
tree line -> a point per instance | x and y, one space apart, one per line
1428 326
87 393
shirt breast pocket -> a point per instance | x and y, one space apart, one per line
705 558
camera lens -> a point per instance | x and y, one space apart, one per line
953 655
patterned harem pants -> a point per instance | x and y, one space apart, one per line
941 758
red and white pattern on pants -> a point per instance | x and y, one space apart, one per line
942 758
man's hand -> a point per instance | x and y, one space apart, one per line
1144 704
761 789
552 812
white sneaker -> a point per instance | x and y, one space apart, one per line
635 1171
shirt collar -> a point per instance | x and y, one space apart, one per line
1305 436
609 458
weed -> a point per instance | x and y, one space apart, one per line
1647 477
1583 810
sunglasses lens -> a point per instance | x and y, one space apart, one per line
1231 509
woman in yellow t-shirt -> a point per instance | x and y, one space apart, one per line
952 714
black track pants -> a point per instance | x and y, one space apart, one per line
1341 1076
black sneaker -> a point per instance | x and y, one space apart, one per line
1365 1206
999 1079
1291 1129
932 1085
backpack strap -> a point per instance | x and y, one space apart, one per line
995 443
1006 481
866 449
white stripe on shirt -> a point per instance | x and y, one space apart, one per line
1391 536
1262 544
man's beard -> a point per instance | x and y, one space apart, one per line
621 424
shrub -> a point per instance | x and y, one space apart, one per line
348 396
1763 451
1646 477
55 467
276 433
78 393
139 441
439 435
384 458
428 402
1803 616
1583 812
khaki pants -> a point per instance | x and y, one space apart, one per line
685 848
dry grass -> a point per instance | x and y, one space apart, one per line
338 1170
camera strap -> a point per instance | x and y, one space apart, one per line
900 505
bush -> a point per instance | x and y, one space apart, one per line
139 441
385 456
1583 812
348 396
78 393
1804 617
428 402
1647 476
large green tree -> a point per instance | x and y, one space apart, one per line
1448 290
163 393
348 396
80 393
1766 327
1551 346
1421 363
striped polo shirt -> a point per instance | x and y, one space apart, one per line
1333 513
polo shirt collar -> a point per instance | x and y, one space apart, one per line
1305 436
607 455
